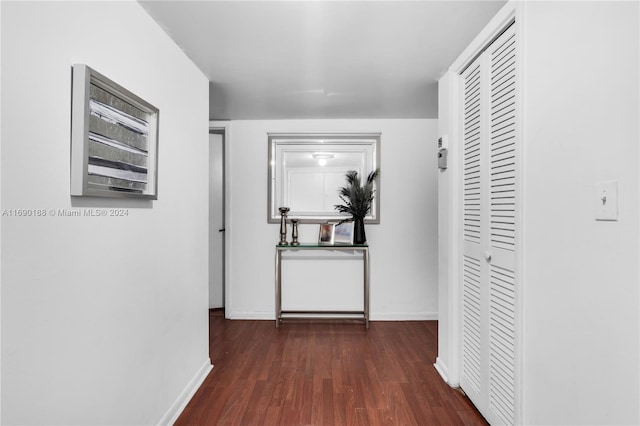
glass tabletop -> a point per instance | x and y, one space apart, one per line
317 245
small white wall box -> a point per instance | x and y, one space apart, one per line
443 151
606 200
443 142
442 158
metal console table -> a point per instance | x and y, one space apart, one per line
364 314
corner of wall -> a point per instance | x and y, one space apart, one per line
185 396
443 370
0 210
447 245
126 293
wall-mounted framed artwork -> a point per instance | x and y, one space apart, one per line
114 139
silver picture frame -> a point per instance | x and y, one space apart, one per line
343 233
326 234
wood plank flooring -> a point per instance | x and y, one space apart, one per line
325 373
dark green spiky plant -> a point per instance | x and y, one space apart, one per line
357 198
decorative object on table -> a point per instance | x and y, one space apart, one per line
294 232
343 233
114 139
357 199
326 233
283 225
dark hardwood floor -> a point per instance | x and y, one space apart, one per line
325 373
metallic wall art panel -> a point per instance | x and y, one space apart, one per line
114 139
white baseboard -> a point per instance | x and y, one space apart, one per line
381 316
404 316
442 369
251 316
185 396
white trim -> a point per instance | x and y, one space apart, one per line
442 369
493 29
386 316
267 316
185 396
0 240
228 219
512 10
455 249
404 316
519 412
448 328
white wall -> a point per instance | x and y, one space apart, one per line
104 320
581 296
580 277
403 246
0 220
447 248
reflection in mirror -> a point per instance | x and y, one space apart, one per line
306 171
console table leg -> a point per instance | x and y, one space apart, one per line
278 289
366 286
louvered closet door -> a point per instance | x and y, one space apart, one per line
473 267
489 230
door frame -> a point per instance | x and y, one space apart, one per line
513 10
224 128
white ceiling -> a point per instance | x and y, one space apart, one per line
322 59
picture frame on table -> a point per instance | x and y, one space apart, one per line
326 234
343 233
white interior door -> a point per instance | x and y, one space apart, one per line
502 196
216 221
473 234
489 173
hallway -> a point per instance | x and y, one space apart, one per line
325 373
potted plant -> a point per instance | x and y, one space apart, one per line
357 199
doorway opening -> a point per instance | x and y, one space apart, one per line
217 291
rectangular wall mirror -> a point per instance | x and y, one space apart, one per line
306 171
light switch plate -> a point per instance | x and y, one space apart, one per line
606 201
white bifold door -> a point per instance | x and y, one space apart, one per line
490 201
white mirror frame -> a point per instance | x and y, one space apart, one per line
364 145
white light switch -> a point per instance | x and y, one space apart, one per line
606 201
